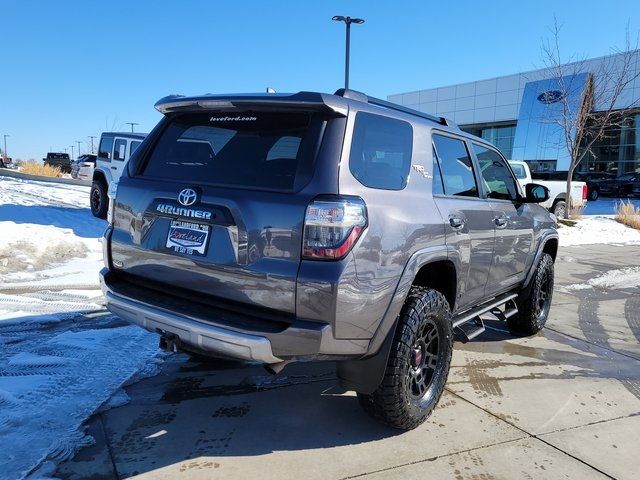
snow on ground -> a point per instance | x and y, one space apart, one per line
49 242
595 229
62 356
613 279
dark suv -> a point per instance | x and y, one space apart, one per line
309 226
60 160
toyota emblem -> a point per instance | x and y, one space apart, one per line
187 197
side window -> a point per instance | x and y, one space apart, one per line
106 145
381 151
498 180
133 147
120 149
438 188
456 165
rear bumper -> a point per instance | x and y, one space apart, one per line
301 340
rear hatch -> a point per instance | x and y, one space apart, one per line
213 209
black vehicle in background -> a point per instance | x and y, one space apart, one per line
60 160
621 186
592 179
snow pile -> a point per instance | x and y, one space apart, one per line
50 251
590 230
613 279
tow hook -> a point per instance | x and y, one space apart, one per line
169 342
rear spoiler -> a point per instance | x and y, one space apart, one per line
301 101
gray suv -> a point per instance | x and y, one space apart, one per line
295 227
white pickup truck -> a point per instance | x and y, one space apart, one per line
557 189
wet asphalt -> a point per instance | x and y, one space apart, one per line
562 404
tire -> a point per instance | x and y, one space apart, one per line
2 165
534 301
559 208
98 199
413 381
594 194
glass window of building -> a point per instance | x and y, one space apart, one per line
499 135
618 151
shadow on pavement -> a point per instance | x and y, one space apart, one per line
80 220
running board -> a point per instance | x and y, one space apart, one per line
470 323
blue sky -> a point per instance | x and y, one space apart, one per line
73 69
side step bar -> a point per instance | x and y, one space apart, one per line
470 323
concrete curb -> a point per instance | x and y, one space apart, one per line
5 172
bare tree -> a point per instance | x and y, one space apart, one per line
602 104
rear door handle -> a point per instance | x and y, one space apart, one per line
501 222
457 223
114 168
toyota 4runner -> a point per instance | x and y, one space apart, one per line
291 227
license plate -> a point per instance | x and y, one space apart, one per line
187 237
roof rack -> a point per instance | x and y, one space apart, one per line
362 97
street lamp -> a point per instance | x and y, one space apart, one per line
5 145
347 21
92 137
72 154
132 124
78 142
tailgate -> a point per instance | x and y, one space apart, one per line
577 193
217 209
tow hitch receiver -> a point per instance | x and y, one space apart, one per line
169 342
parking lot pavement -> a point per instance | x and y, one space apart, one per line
562 404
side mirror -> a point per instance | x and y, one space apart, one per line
536 193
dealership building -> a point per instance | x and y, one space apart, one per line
519 114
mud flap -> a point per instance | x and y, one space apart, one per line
365 375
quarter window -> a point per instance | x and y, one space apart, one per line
498 180
456 167
381 151
133 147
119 152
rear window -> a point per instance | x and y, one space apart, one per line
381 151
261 150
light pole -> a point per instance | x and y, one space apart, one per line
78 142
347 21
132 124
91 137
5 145
72 155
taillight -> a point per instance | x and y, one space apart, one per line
332 226
585 191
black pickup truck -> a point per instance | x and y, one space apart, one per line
60 160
